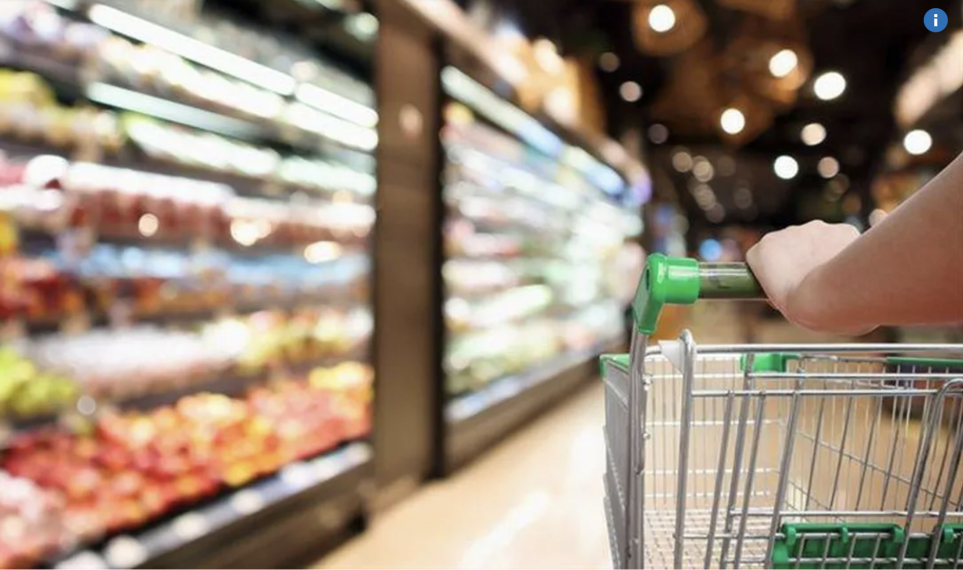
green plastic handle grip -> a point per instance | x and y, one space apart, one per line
683 281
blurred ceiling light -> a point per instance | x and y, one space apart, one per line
829 85
917 142
608 61
702 170
732 121
362 25
710 250
743 198
546 55
716 213
783 62
813 134
682 161
189 48
630 91
828 167
786 167
704 196
148 224
661 18
658 133
321 251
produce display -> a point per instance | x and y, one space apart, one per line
184 267
130 468
26 391
529 241
32 522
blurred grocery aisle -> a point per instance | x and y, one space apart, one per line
266 267
534 501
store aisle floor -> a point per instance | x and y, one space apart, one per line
534 501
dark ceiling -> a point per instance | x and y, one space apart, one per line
875 44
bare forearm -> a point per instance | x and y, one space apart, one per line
908 269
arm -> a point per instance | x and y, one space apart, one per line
908 269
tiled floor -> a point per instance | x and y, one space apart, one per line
533 502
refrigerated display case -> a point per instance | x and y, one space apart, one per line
532 229
185 374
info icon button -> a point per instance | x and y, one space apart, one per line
935 20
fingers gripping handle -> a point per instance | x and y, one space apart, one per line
683 281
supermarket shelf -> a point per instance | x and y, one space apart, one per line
351 244
133 158
71 78
475 421
176 112
507 226
231 123
282 521
338 295
21 57
555 311
229 382
508 259
236 383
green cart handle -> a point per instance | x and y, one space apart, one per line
683 281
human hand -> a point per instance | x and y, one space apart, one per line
787 263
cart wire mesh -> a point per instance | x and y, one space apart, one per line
841 456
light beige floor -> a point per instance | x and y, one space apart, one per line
534 501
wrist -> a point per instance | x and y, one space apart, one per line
807 302
817 304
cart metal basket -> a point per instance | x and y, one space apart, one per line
779 456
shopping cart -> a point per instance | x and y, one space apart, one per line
778 456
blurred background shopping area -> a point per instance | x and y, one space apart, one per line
268 269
